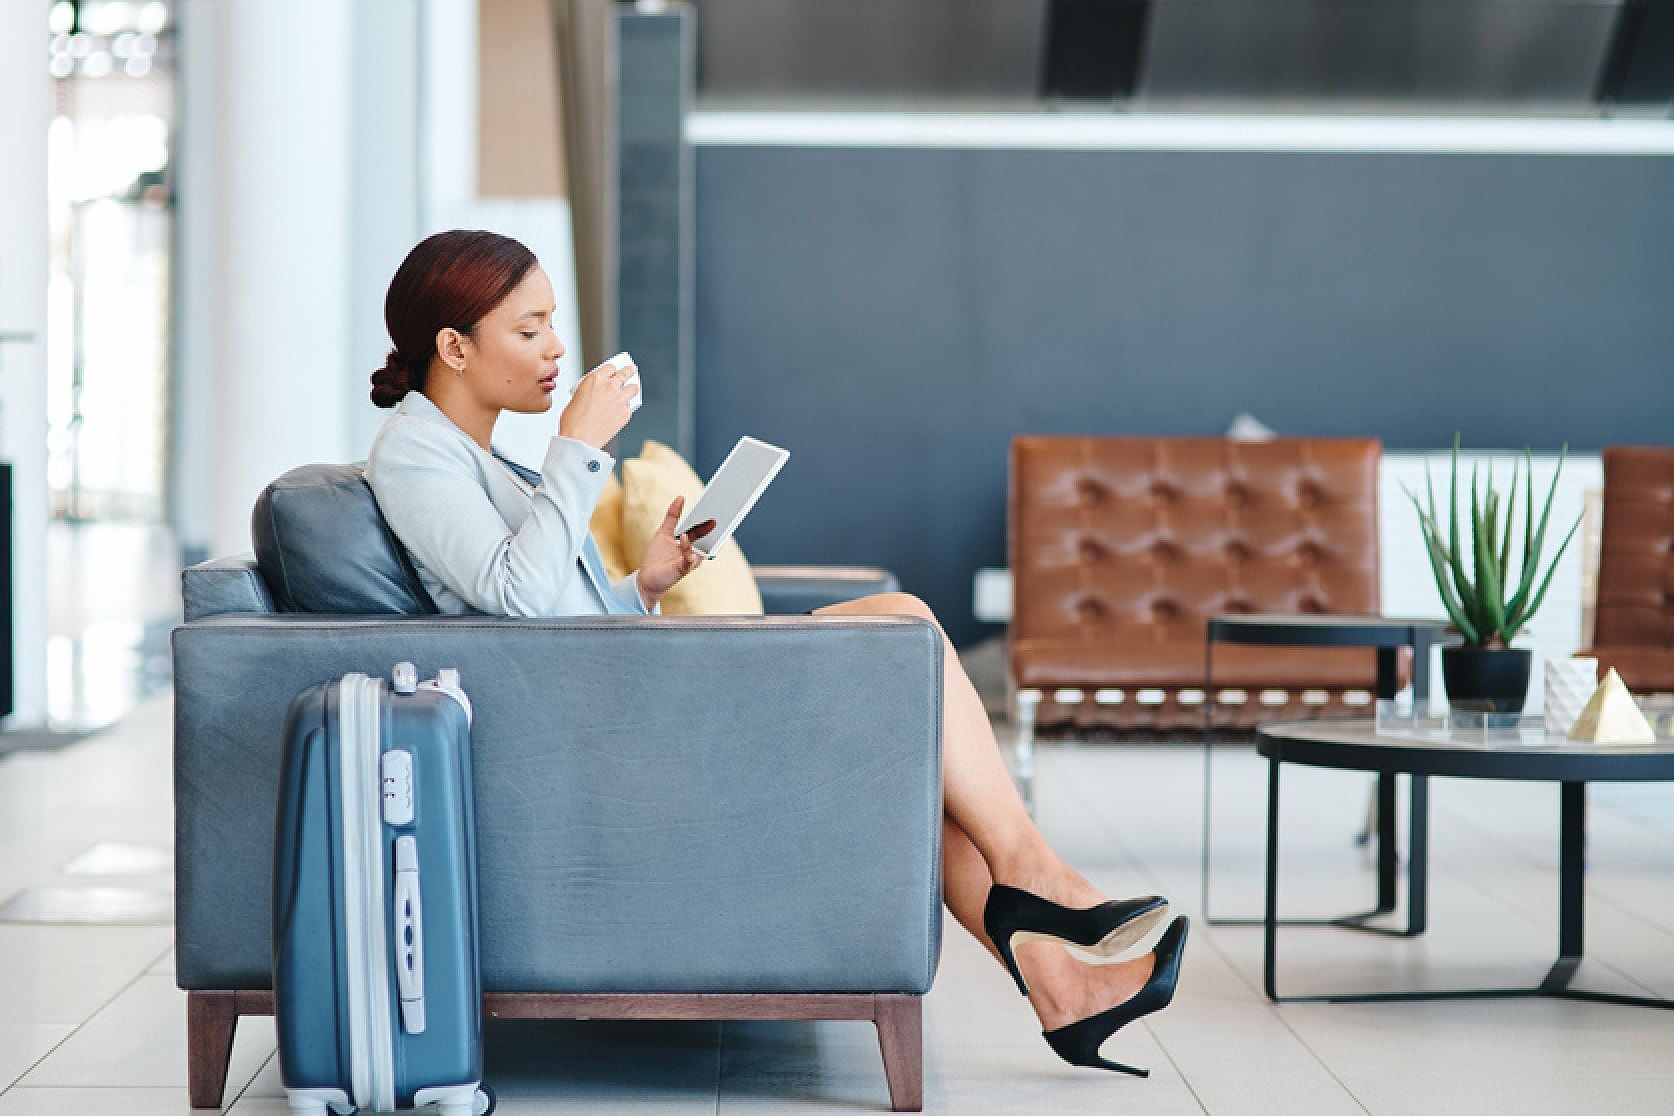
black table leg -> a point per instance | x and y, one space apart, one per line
1572 889
1388 861
1208 763
1389 673
1418 856
1270 923
1388 685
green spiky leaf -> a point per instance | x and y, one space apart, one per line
1467 591
1438 568
1505 542
1531 556
1490 601
1534 605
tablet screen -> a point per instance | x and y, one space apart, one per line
732 492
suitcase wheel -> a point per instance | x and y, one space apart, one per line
343 1109
486 1101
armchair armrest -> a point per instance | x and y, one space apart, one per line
224 585
236 585
791 590
664 804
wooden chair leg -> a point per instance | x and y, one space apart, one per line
900 1022
211 1020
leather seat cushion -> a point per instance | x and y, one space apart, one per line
322 546
1059 661
1122 548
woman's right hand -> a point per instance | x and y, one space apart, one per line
599 409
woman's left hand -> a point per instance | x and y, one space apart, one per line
670 557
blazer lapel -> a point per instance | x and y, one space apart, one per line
591 560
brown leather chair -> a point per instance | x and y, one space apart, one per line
1633 629
1122 548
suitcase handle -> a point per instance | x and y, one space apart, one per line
408 922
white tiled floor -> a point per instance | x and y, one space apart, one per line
90 1021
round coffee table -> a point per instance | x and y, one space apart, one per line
1526 752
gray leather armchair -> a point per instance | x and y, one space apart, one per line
679 818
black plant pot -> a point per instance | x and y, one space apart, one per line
1481 681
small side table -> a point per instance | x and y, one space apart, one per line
1387 635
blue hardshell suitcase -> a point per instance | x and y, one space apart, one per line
377 995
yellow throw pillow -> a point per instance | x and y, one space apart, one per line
607 530
722 587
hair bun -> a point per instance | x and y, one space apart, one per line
392 382
450 280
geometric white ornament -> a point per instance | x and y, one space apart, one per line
1569 685
1612 716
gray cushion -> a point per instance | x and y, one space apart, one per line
323 546
790 590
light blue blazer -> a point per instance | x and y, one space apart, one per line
482 538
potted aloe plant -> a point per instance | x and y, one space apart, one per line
1488 596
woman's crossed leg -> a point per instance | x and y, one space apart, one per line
988 838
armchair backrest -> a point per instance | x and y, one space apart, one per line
1636 553
321 546
224 585
1138 541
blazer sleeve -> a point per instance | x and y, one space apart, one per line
627 588
428 487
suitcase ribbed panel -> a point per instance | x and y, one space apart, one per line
363 893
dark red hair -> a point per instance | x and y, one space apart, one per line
452 279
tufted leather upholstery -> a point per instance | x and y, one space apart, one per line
1122 549
1634 627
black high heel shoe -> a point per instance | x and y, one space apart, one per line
1107 930
1078 1043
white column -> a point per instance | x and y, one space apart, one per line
449 199
385 195
24 91
198 82
277 296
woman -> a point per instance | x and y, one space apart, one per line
470 317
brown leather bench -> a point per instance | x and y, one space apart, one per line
1633 629
1122 548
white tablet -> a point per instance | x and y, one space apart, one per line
732 492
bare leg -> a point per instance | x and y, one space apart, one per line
988 837
977 791
965 883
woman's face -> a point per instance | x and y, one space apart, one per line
511 356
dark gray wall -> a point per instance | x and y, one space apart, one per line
654 227
895 317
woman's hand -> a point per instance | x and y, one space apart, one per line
599 409
670 557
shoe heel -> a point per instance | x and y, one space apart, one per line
1078 1043
1079 1046
999 922
1002 942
